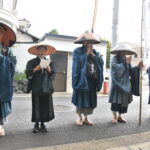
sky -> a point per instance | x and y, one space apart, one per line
73 17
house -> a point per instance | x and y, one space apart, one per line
20 48
62 59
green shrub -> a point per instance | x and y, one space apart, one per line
19 76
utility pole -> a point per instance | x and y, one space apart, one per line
142 23
94 16
115 22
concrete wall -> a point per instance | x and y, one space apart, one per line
69 74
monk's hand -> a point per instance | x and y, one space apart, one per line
49 69
90 49
140 64
92 54
88 52
36 68
128 60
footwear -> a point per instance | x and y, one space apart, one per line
79 122
115 118
121 120
35 128
114 121
88 122
43 128
2 131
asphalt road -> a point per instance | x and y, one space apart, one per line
63 130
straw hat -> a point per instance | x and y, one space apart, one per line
34 49
122 47
87 36
9 36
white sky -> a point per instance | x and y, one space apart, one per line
73 17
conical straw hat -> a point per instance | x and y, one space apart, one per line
87 36
122 47
9 36
49 49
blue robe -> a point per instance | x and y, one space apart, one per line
7 68
124 81
84 88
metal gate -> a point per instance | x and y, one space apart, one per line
60 60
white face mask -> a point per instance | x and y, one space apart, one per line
41 50
41 57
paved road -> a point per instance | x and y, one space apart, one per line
62 129
138 141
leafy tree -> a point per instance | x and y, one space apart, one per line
54 31
107 52
19 76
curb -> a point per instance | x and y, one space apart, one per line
56 94
138 141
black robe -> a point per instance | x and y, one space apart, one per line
42 102
148 71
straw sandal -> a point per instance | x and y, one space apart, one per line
88 122
114 121
121 120
79 122
2 131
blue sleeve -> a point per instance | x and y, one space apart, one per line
100 64
79 80
120 75
13 61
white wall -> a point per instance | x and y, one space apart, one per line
68 45
21 37
22 55
21 51
61 44
69 74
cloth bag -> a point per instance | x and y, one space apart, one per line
47 85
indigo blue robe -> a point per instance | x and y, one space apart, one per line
84 88
124 81
7 68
